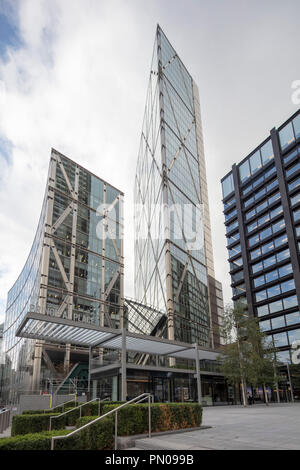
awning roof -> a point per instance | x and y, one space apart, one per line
60 330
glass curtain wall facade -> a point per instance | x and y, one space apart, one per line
74 270
261 197
171 202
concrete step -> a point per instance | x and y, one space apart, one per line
159 444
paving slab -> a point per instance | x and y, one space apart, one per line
256 427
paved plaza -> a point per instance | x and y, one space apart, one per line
256 427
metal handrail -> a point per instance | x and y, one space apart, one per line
78 407
4 420
143 396
62 404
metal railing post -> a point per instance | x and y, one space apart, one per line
149 414
99 406
116 430
138 399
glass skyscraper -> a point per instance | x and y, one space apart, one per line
174 270
74 270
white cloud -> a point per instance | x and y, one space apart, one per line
78 84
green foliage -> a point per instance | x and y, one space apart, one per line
98 436
39 441
247 356
24 424
132 419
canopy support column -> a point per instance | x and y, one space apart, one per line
123 365
198 375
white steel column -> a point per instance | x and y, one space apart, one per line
198 375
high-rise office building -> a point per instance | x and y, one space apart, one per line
74 271
261 197
174 269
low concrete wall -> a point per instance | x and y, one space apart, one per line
34 402
44 402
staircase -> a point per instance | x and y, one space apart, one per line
76 380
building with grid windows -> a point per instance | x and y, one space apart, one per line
261 197
74 271
174 272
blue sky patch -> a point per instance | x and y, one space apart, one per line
9 35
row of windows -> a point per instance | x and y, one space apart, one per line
277 258
295 199
265 218
232 226
229 203
237 263
280 322
233 238
237 276
273 275
268 202
277 306
261 193
296 215
259 180
286 338
256 161
234 251
294 184
290 133
268 247
273 291
263 234
291 155
230 214
240 289
292 169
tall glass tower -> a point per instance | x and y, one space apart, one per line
173 252
74 271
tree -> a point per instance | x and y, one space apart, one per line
247 356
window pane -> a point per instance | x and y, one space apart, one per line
257 267
265 325
275 306
255 162
285 270
267 152
269 261
259 281
290 302
273 291
280 339
278 322
262 295
227 186
272 276
288 285
244 170
294 335
263 310
286 136
292 318
296 123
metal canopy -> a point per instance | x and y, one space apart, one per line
60 330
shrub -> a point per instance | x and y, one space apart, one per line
164 417
134 420
40 441
98 436
24 424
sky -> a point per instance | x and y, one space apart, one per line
74 75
